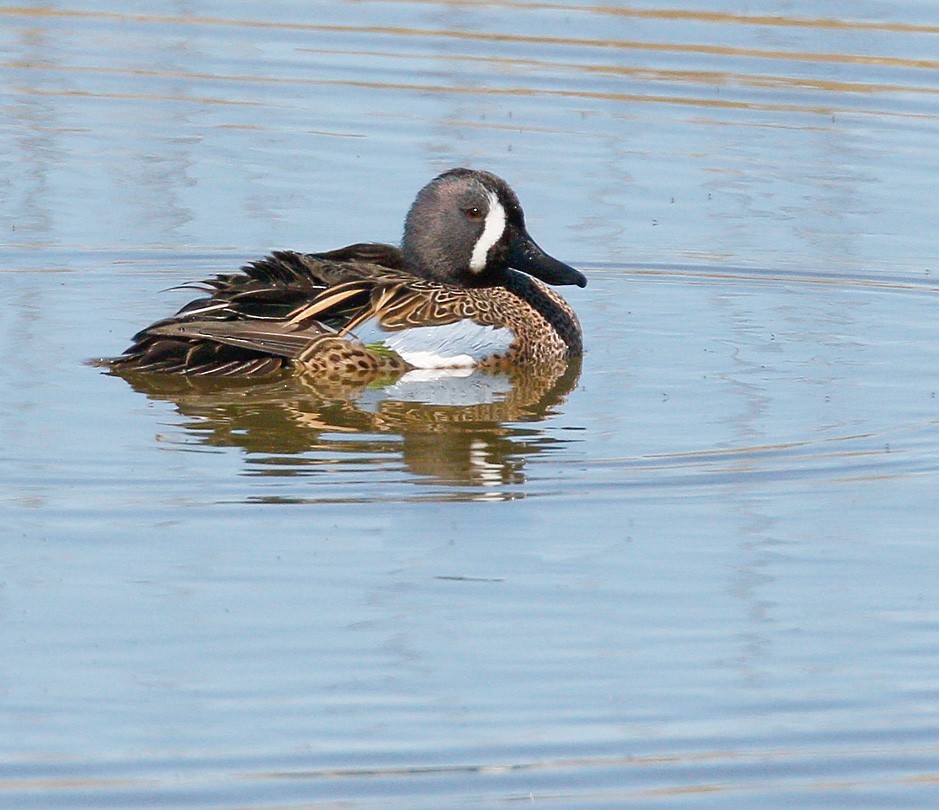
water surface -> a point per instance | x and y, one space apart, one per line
698 570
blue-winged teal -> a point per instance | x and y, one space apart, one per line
452 296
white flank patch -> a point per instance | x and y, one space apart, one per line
433 360
492 233
456 345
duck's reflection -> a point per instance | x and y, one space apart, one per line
473 429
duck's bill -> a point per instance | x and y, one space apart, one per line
526 256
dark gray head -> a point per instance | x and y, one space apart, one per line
466 227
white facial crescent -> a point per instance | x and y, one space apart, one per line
493 229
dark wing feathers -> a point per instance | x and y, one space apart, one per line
367 253
255 321
167 356
269 337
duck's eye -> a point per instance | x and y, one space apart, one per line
474 213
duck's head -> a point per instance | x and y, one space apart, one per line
466 227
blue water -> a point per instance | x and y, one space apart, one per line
699 571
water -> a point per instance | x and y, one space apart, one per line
699 570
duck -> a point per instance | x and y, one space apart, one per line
468 287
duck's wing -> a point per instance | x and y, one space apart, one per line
385 256
276 285
246 323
